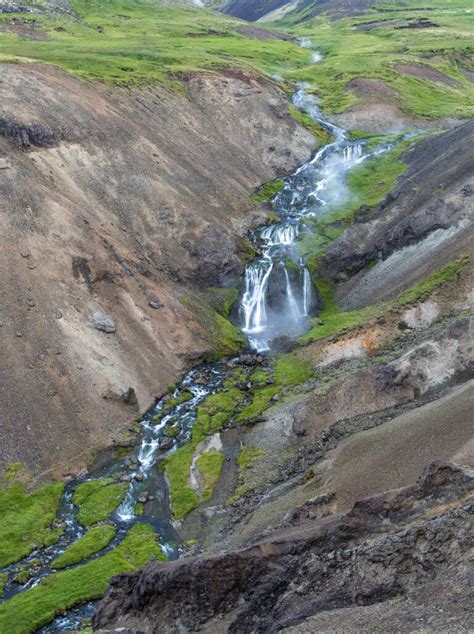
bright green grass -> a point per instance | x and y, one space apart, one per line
210 465
336 320
310 124
33 608
97 499
25 519
266 192
351 53
3 581
92 542
131 42
212 414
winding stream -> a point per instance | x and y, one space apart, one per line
276 301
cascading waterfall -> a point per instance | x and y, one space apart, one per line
273 305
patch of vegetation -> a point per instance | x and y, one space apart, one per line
223 337
129 42
177 468
92 542
289 370
260 402
210 465
354 54
267 192
97 499
335 320
26 517
248 455
316 129
222 299
28 611
3 581
212 414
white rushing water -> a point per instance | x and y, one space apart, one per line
278 296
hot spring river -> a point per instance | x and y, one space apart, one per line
277 300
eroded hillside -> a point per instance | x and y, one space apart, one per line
323 480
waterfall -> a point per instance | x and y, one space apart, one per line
253 305
292 303
307 291
274 304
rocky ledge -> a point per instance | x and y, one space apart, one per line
395 561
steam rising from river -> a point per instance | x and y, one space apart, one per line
278 296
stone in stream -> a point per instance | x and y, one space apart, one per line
166 444
103 322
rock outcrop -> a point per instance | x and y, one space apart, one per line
400 545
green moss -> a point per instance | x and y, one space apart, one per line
60 591
260 402
267 192
223 337
222 299
210 465
97 499
248 455
3 581
139 509
92 542
289 370
259 377
177 468
25 519
316 129
172 432
22 577
335 320
212 414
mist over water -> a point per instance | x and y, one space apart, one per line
278 295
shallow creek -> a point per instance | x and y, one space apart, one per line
277 300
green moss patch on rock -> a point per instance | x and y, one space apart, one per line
316 129
223 337
97 499
29 610
210 465
95 540
26 517
267 192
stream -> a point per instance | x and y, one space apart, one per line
277 301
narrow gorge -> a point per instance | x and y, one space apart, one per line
261 237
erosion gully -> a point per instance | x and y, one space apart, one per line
277 300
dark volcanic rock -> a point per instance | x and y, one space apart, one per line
386 546
27 135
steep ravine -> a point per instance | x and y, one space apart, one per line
294 462
130 203
370 409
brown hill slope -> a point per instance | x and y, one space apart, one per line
111 200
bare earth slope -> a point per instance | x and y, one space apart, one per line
110 200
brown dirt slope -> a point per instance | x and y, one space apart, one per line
111 199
